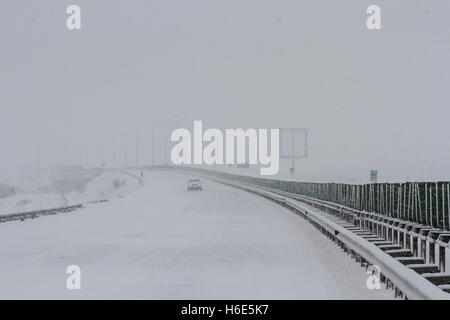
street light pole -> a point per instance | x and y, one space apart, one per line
37 169
101 155
153 144
87 156
165 145
137 149
114 154
153 126
126 151
177 122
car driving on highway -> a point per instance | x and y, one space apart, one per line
194 184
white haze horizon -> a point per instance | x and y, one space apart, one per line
369 99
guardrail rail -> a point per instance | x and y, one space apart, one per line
37 213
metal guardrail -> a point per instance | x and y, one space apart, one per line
366 236
139 179
37 213
408 281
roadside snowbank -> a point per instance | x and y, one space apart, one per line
105 186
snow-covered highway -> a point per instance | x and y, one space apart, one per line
163 242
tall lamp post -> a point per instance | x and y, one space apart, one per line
177 121
153 126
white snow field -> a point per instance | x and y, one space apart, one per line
99 188
162 242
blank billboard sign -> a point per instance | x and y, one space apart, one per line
293 143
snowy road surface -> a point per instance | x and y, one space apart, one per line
164 242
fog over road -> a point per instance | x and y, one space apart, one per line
164 242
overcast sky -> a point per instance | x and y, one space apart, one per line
371 99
